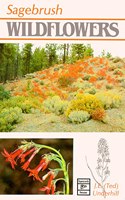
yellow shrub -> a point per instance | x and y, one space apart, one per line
85 102
109 99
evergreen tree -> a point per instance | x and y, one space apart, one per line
78 51
39 60
51 50
89 51
1 62
26 58
8 59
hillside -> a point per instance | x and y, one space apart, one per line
88 95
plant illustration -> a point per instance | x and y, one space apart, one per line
26 152
103 160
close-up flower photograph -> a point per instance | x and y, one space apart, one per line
38 166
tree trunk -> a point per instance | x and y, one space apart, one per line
6 73
64 53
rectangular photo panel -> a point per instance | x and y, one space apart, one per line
66 87
36 166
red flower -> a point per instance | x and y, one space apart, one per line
26 164
41 166
24 155
53 189
50 188
10 157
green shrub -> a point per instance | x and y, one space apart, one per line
122 84
25 103
4 94
120 79
18 101
82 84
41 82
65 81
29 85
112 67
109 86
109 99
84 102
91 90
118 72
117 59
37 80
26 107
10 117
78 117
86 77
55 105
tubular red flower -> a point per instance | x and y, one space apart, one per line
45 163
26 164
53 189
50 188
25 154
50 180
10 157
45 189
41 166
46 176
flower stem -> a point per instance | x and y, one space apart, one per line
64 167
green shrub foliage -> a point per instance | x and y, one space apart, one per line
10 117
4 94
78 117
55 105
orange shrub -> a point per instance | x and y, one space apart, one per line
92 79
98 114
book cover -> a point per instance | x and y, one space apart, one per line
62 99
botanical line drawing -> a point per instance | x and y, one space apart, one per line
103 161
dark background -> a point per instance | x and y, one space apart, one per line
17 181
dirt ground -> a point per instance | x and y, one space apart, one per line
41 122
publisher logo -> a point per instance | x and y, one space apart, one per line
83 186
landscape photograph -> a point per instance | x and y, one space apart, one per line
61 88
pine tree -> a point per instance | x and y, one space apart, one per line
26 58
